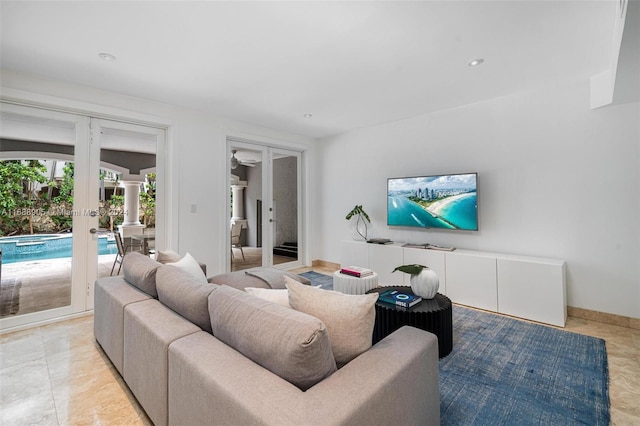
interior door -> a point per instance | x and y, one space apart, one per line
265 198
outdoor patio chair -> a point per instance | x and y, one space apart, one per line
122 250
236 231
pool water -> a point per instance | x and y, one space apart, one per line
25 248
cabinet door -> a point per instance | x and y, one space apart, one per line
471 280
532 290
384 259
354 253
431 258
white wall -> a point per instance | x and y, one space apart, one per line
197 156
556 179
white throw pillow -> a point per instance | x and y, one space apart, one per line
275 295
349 318
191 265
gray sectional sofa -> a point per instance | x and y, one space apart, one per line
197 353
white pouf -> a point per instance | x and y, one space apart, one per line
353 285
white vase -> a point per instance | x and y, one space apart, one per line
425 284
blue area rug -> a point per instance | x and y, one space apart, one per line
505 371
324 281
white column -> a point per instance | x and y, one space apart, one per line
238 202
131 203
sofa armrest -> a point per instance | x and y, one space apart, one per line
394 382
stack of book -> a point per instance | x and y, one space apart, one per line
356 271
395 297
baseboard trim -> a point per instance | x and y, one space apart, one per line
45 322
324 264
604 317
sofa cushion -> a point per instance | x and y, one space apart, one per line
111 296
140 271
257 278
185 295
291 344
149 329
349 318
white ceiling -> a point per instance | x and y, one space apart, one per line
350 64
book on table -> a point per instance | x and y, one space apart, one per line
395 297
356 271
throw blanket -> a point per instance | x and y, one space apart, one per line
273 277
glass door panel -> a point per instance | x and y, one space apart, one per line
285 216
123 192
246 208
40 277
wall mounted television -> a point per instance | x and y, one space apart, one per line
438 201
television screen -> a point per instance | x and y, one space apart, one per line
443 201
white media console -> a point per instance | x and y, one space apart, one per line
527 287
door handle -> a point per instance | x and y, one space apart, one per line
93 230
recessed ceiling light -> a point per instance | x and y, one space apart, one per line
308 115
475 62
106 56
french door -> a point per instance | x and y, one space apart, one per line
265 202
56 222
126 158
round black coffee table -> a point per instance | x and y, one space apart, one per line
433 315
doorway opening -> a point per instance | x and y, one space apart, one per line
265 199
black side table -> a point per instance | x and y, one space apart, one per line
433 315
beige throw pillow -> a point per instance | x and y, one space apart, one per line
167 256
349 318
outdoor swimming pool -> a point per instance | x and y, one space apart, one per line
25 248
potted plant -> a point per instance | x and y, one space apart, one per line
363 218
424 281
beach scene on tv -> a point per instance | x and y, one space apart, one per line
444 201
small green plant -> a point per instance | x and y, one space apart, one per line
362 216
414 269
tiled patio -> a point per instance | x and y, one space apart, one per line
46 284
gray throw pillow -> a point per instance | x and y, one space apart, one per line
140 271
168 256
290 344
